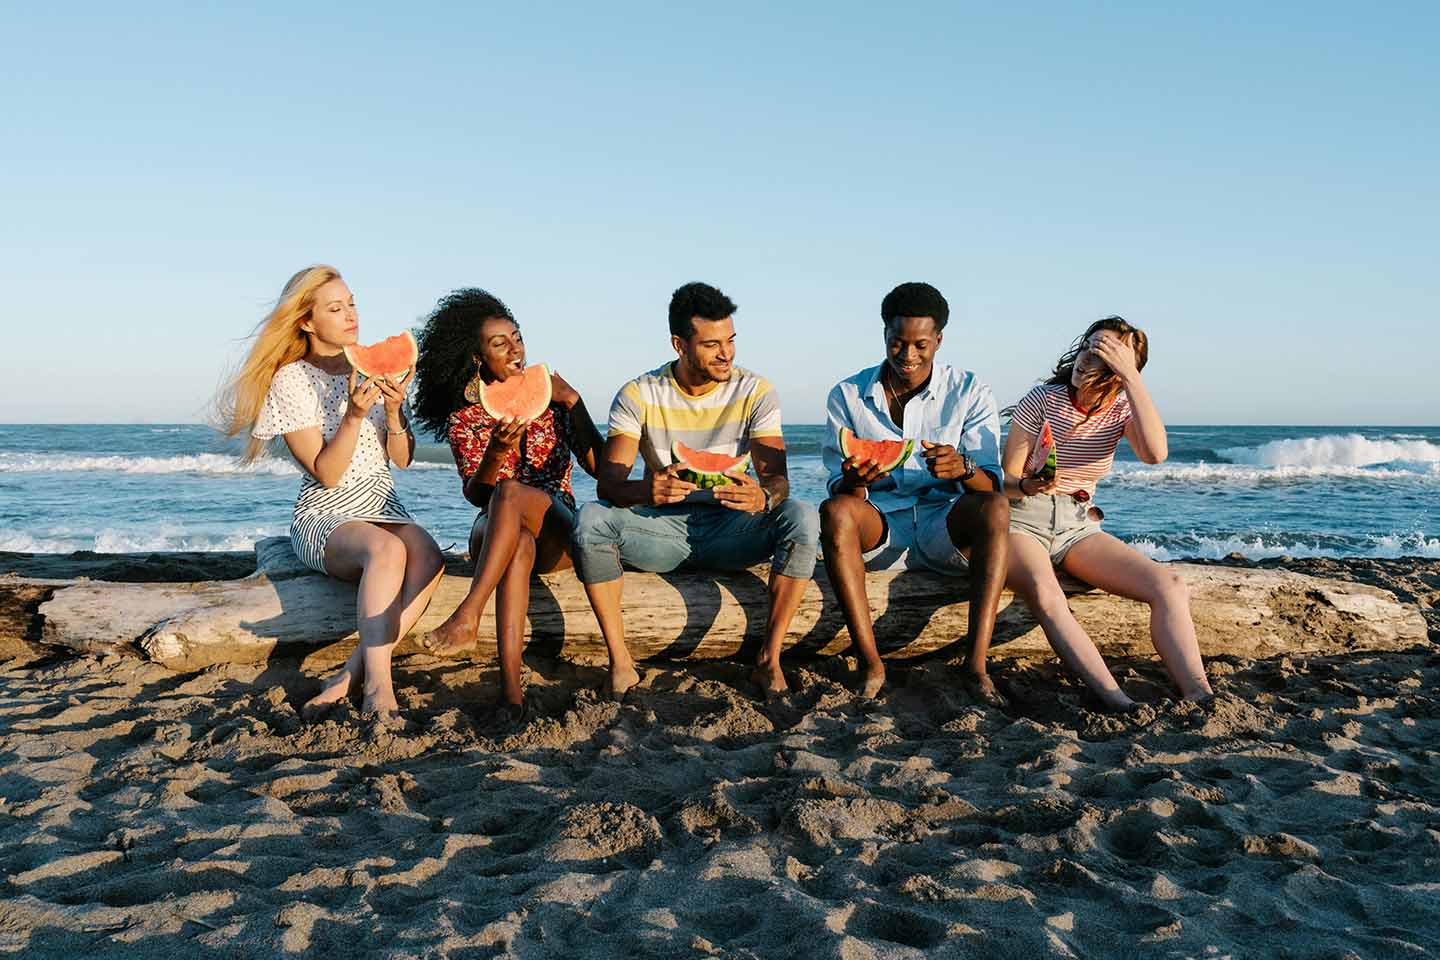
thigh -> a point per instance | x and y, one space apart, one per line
727 539
655 539
351 546
421 550
552 547
1105 562
1029 571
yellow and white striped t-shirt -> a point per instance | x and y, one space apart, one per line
654 410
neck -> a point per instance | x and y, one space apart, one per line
690 382
326 356
898 387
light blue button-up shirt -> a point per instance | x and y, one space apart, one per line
954 408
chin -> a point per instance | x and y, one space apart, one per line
722 376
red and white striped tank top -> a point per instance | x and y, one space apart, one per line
1084 446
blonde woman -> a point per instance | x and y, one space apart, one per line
1095 396
344 434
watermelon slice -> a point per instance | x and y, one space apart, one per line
1042 455
889 454
391 357
705 469
523 396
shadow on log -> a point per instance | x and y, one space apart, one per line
285 609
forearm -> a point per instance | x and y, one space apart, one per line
623 492
481 484
981 482
1148 438
334 458
587 438
778 487
400 446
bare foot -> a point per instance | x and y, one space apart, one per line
874 681
338 688
451 638
981 687
621 680
1116 702
770 680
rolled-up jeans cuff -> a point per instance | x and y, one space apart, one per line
794 559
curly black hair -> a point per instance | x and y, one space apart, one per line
697 300
915 300
449 342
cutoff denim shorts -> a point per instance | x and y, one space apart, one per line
1058 521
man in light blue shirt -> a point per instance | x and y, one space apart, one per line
943 508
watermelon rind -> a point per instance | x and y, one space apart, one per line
497 401
358 356
847 436
706 479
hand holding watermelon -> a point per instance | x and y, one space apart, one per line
744 494
945 462
505 435
362 397
667 487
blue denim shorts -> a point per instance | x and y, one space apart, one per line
917 538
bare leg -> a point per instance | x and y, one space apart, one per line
849 526
376 558
979 526
605 601
1032 576
511 604
514 508
785 596
1109 564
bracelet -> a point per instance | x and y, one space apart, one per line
403 428
1021 485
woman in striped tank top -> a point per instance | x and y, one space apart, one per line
1095 397
297 383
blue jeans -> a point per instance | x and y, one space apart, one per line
661 539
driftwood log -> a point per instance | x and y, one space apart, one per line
285 609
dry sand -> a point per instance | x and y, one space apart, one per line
146 813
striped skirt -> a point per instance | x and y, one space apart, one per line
321 510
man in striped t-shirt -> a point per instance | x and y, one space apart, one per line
661 522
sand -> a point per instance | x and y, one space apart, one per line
148 813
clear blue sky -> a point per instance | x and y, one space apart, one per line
1252 183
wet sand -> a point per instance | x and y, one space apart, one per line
148 813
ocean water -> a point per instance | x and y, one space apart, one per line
1260 491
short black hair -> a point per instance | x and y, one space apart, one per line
697 300
915 300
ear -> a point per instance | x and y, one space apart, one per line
939 338
679 344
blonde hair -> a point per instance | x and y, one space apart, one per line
278 341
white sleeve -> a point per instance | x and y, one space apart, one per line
292 404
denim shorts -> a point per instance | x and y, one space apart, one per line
917 538
1057 521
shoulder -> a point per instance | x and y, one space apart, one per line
292 378
750 382
1042 392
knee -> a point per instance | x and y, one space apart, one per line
837 520
525 550
1170 588
1047 601
798 521
995 513
388 553
507 493
594 524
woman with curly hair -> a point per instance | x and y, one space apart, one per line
344 433
1095 396
517 473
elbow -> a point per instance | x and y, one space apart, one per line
328 482
1154 457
